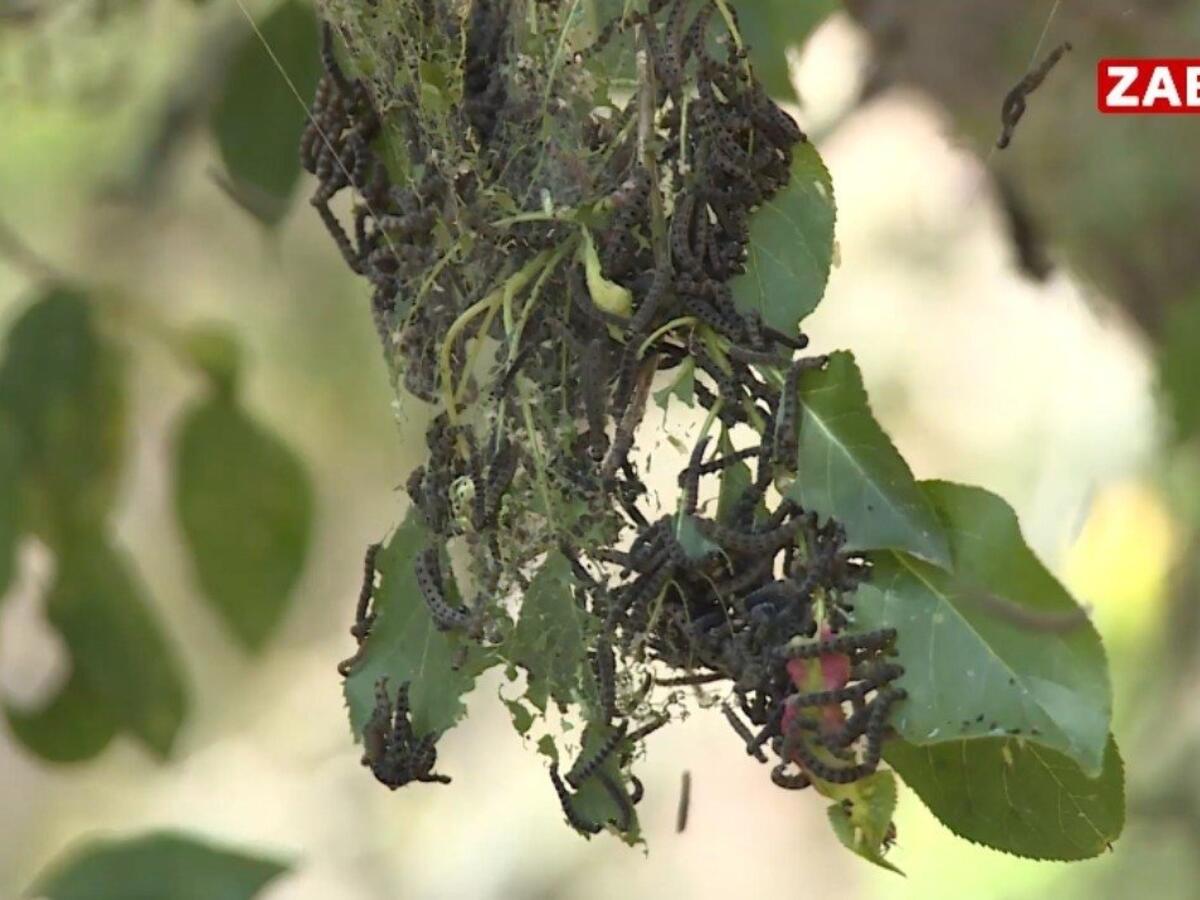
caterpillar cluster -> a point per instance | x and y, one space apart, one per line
393 752
473 223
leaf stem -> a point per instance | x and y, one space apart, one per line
663 329
503 294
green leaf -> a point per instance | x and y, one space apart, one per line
62 389
978 660
1012 795
522 718
695 546
735 481
550 636
593 802
161 865
116 645
682 387
1179 367
10 502
258 119
770 27
608 296
75 726
850 470
862 817
791 247
245 506
405 645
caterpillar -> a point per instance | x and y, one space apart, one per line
620 798
586 767
754 543
564 798
743 732
689 478
429 581
789 781
685 802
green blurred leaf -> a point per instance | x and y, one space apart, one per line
214 349
791 247
850 470
550 636
10 502
862 817
62 389
1179 367
1012 795
977 661
770 27
75 726
161 865
245 505
258 118
405 645
117 646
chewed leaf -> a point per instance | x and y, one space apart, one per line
595 801
682 387
791 247
850 470
862 817
1012 795
977 660
549 638
163 864
404 645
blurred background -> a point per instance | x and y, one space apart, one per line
1027 320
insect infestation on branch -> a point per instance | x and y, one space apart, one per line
546 236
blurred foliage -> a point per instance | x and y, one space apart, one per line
156 866
118 649
63 389
1180 368
246 508
260 112
10 484
74 726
